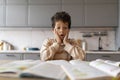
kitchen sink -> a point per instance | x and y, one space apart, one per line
104 50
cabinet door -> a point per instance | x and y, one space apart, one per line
2 16
101 12
113 57
76 9
16 2
35 56
41 11
90 57
16 13
10 56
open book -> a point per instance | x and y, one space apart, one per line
94 70
105 67
32 69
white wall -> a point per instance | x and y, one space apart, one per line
34 38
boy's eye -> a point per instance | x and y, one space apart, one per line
65 27
58 27
62 28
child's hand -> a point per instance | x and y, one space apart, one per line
57 37
65 41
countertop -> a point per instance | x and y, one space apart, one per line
87 52
103 52
19 51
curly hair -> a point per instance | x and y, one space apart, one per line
61 16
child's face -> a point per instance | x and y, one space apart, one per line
61 28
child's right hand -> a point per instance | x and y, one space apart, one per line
57 37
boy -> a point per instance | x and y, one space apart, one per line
61 48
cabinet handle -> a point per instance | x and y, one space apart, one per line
10 55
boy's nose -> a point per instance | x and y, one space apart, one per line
61 30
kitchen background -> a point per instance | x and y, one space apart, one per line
34 38
26 23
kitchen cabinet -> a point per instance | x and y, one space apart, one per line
16 2
2 13
34 56
117 38
10 56
38 13
19 55
16 13
114 57
101 12
41 11
76 9
1 2
83 12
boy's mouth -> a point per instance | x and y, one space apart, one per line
62 35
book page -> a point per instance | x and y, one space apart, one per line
115 63
110 69
78 62
59 62
80 70
17 66
5 61
45 70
